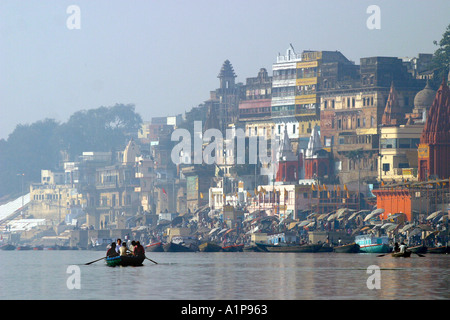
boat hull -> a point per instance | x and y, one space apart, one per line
173 247
290 248
8 247
347 248
438 250
209 247
233 248
125 261
375 248
254 248
405 254
418 249
155 247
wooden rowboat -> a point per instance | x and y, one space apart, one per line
234 248
125 261
347 248
290 247
441 249
418 249
155 247
209 247
174 247
405 254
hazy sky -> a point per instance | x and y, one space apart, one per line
164 56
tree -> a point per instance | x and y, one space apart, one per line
29 149
101 129
441 58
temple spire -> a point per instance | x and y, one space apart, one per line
392 113
437 125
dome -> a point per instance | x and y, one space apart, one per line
425 97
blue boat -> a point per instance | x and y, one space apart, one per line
372 244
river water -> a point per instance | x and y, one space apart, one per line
30 275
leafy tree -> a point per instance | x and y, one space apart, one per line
441 58
29 149
101 129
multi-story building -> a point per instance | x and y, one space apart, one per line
53 199
352 111
284 82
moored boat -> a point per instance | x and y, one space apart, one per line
209 247
155 247
418 249
174 247
25 247
285 247
372 244
254 248
8 247
347 248
440 249
125 261
325 248
234 248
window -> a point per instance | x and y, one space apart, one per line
386 167
293 128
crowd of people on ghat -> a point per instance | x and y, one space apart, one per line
120 248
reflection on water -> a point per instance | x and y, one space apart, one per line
224 276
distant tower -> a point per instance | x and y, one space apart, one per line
287 161
227 75
434 148
228 95
317 160
393 114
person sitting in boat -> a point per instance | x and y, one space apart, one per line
139 249
402 247
396 247
123 249
118 245
112 251
132 246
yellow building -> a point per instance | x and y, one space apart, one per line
398 150
53 202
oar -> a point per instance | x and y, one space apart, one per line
94 261
420 255
151 260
